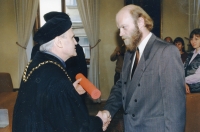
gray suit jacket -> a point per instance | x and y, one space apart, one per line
154 99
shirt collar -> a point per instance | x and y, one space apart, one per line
143 44
194 52
47 52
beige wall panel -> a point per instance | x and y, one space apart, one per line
175 19
108 29
8 38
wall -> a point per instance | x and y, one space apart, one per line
8 38
108 29
175 19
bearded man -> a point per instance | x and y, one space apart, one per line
152 95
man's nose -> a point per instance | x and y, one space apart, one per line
121 33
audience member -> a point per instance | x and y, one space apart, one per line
192 64
152 95
118 56
47 99
168 39
180 45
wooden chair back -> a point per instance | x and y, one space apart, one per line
192 112
6 84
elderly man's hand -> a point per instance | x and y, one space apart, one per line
78 87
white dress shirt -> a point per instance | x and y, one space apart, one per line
141 47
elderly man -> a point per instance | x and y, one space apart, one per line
151 87
47 100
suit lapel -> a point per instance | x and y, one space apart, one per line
145 59
127 66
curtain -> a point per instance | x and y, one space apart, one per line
26 11
89 12
194 14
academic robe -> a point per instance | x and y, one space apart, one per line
48 102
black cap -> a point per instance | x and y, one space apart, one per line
52 14
55 26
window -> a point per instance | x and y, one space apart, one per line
83 41
78 26
47 6
71 3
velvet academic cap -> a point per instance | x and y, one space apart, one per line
54 26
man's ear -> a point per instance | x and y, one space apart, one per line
58 42
141 22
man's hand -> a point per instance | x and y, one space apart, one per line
187 89
78 87
105 117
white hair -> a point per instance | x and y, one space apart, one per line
47 46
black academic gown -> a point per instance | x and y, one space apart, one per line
48 102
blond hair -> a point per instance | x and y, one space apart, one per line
136 12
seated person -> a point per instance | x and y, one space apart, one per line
192 64
168 39
179 43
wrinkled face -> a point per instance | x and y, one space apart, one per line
129 30
179 46
195 42
69 44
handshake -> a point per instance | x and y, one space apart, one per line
105 117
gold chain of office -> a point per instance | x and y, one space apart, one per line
25 78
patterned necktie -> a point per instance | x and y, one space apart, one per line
137 55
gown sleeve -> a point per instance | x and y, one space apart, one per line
65 110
